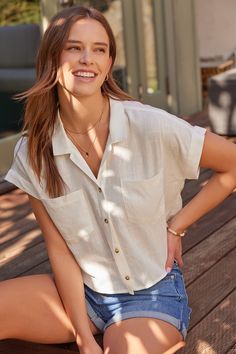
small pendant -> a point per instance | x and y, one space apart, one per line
87 154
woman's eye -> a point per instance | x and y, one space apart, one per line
101 50
73 48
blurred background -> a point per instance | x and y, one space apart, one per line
168 51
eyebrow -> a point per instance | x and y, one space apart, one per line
96 43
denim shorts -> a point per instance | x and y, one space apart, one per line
166 300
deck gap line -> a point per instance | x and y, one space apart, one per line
26 271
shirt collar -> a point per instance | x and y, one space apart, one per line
118 121
61 144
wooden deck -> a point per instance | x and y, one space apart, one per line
210 268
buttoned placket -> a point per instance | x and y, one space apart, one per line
121 261
110 231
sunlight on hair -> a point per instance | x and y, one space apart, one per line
204 348
59 22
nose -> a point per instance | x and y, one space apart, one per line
86 57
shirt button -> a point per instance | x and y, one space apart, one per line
127 277
100 190
106 221
117 250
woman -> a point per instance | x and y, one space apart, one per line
104 175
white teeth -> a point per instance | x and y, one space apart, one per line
85 74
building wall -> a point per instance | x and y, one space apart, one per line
216 27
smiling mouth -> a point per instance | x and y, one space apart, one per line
86 74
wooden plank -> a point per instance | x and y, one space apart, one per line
11 250
10 231
199 118
216 333
203 256
42 268
14 214
25 261
192 187
13 207
6 187
11 346
211 222
13 198
212 287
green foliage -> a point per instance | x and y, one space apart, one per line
13 12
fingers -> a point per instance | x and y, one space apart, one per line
174 252
170 260
178 256
179 260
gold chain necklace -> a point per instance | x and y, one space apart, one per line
86 152
86 131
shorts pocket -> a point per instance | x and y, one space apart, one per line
171 286
71 215
144 199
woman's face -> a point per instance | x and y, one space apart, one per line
85 59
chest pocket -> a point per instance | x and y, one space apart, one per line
71 215
144 199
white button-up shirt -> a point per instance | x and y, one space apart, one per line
115 224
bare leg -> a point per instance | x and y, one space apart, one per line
141 336
31 310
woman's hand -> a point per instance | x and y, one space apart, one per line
90 348
174 251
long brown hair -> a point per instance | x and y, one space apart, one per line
42 100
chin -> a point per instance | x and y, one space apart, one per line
86 93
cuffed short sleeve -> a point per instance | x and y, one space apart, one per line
20 173
183 144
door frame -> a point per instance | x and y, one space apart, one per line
135 58
179 58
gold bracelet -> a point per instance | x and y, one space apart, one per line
173 232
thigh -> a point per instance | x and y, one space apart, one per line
140 336
31 309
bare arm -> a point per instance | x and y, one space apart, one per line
219 155
67 276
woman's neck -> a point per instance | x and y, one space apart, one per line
80 114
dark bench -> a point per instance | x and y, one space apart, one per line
18 49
